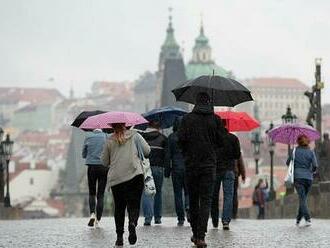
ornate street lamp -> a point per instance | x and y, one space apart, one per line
2 182
256 141
288 117
7 147
271 147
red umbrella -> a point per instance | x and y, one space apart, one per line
238 121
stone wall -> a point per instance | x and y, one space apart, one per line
10 213
318 203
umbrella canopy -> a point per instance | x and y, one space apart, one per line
289 133
165 115
238 121
223 91
106 119
83 116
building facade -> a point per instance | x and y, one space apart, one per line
273 95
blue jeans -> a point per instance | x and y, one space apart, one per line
180 188
303 186
227 178
152 206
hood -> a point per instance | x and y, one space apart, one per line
203 104
130 133
203 109
151 133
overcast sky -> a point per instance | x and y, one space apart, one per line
79 41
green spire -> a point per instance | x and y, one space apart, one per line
170 41
201 40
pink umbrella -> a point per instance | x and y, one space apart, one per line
105 120
289 133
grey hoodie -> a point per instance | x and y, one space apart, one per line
123 159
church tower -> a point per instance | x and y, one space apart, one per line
170 48
201 62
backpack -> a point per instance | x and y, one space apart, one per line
255 197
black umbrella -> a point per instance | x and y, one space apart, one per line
84 115
223 91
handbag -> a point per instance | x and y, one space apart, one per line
149 183
289 179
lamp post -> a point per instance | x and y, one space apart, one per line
288 117
7 147
271 146
2 182
256 141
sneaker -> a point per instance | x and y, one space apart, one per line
308 223
225 226
180 222
158 222
97 224
119 242
297 223
132 238
193 239
201 243
92 220
147 224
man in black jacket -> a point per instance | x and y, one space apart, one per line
152 206
200 135
226 175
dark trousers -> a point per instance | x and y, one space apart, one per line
127 195
200 187
97 178
235 198
181 197
303 186
261 212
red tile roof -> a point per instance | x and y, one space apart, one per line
31 95
276 82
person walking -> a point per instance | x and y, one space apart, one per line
176 169
260 197
152 205
305 165
199 136
96 174
227 155
239 172
126 178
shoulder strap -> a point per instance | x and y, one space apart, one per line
138 147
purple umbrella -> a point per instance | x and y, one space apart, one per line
106 119
289 133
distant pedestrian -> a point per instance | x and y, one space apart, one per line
126 178
305 164
200 135
176 169
239 172
152 205
96 174
225 175
260 197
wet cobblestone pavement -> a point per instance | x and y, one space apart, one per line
244 233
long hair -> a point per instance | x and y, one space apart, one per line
303 141
260 181
119 132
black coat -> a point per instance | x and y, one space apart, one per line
159 145
200 136
228 153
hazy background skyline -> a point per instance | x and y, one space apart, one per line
77 42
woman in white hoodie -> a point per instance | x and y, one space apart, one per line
126 178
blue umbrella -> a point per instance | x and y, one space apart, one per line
164 115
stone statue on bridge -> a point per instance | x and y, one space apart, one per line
324 158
